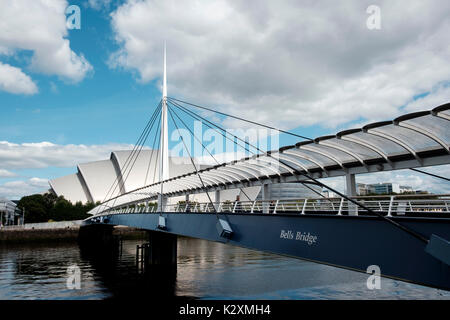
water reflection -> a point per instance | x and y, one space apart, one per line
205 270
118 273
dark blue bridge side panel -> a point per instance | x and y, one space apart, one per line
348 242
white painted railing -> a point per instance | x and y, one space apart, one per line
390 205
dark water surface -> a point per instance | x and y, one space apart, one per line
205 270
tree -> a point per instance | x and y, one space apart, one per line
42 208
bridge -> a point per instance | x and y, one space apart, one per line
405 236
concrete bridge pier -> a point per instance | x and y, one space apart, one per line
163 249
98 240
96 235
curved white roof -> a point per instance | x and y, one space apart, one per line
145 167
71 187
93 180
99 176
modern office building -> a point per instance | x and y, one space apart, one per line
285 191
382 188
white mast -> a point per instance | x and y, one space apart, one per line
164 151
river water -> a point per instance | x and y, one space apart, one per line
206 270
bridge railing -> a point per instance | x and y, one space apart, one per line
389 205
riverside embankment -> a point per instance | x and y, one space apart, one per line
56 231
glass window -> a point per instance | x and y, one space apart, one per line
437 126
417 141
312 156
352 147
389 147
341 156
299 163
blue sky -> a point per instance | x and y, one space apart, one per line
313 81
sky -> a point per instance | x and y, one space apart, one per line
69 96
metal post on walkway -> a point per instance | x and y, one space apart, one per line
266 197
217 199
350 183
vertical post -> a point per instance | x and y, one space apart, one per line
350 183
266 197
253 206
217 199
276 205
164 154
304 206
341 204
391 203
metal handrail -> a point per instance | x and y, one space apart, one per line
395 204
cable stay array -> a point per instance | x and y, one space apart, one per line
355 202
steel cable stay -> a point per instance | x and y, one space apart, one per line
157 154
196 116
398 225
209 124
430 174
138 152
153 148
276 129
242 119
130 155
204 147
140 147
192 161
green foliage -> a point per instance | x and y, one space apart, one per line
46 207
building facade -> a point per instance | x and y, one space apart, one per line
382 188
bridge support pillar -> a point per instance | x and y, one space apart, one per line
163 249
266 193
162 202
350 183
98 239
217 199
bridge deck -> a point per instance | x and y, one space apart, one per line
351 242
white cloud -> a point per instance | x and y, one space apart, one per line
14 190
47 154
438 96
43 155
40 26
6 174
288 63
13 80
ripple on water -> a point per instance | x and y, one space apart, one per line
205 269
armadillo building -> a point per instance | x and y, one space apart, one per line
121 173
